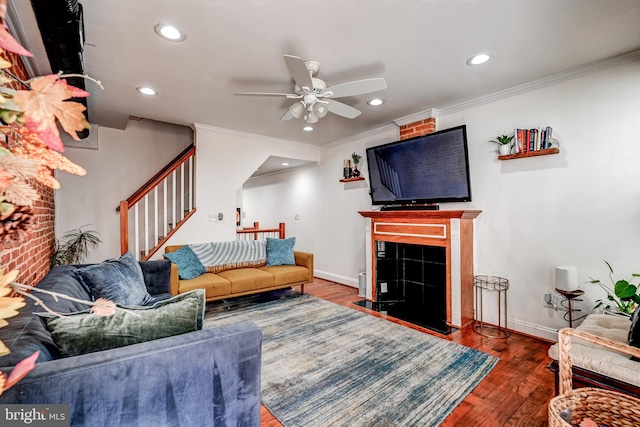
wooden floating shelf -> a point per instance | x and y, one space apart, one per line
529 154
359 178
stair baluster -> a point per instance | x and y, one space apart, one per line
177 193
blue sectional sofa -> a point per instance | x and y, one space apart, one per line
208 377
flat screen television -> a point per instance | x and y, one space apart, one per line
424 170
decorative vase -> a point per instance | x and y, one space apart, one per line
504 149
355 173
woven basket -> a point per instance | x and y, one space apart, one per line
604 407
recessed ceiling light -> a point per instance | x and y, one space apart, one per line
285 163
478 59
147 91
169 32
375 102
307 128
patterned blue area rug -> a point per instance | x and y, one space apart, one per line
327 365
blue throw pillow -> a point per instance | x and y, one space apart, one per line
280 251
84 332
119 280
189 266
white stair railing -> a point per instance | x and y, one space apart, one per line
154 212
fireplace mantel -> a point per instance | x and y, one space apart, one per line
465 214
451 229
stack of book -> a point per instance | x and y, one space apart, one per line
526 140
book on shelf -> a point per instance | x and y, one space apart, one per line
526 140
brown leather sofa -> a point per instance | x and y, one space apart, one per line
245 280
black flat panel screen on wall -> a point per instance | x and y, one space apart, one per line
432 168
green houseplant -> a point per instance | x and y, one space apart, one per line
622 297
504 144
74 246
356 160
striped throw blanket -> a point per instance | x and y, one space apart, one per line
220 256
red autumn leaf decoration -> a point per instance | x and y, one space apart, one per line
20 371
45 103
6 40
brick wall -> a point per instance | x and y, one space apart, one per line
31 256
421 127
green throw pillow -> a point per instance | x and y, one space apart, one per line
189 266
280 251
84 332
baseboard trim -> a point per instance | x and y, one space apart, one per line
343 280
525 328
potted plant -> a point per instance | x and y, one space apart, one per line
74 247
622 298
504 144
356 160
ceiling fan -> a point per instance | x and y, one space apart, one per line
313 99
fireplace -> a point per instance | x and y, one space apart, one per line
411 283
420 266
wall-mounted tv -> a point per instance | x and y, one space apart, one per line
428 169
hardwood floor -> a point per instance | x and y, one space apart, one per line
515 393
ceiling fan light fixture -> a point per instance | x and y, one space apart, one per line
478 59
307 128
319 109
297 109
311 118
169 32
375 102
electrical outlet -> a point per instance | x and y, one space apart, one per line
383 287
552 300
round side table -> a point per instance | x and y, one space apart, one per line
499 285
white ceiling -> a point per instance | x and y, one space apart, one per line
419 47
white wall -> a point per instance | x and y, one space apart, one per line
578 208
329 224
224 161
124 160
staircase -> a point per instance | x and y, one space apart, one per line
151 215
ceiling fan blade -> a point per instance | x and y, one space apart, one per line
358 87
342 109
298 71
287 116
286 95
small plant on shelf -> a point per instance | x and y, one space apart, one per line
623 297
503 139
504 144
356 160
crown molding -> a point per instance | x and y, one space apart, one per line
197 126
432 113
571 74
368 134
